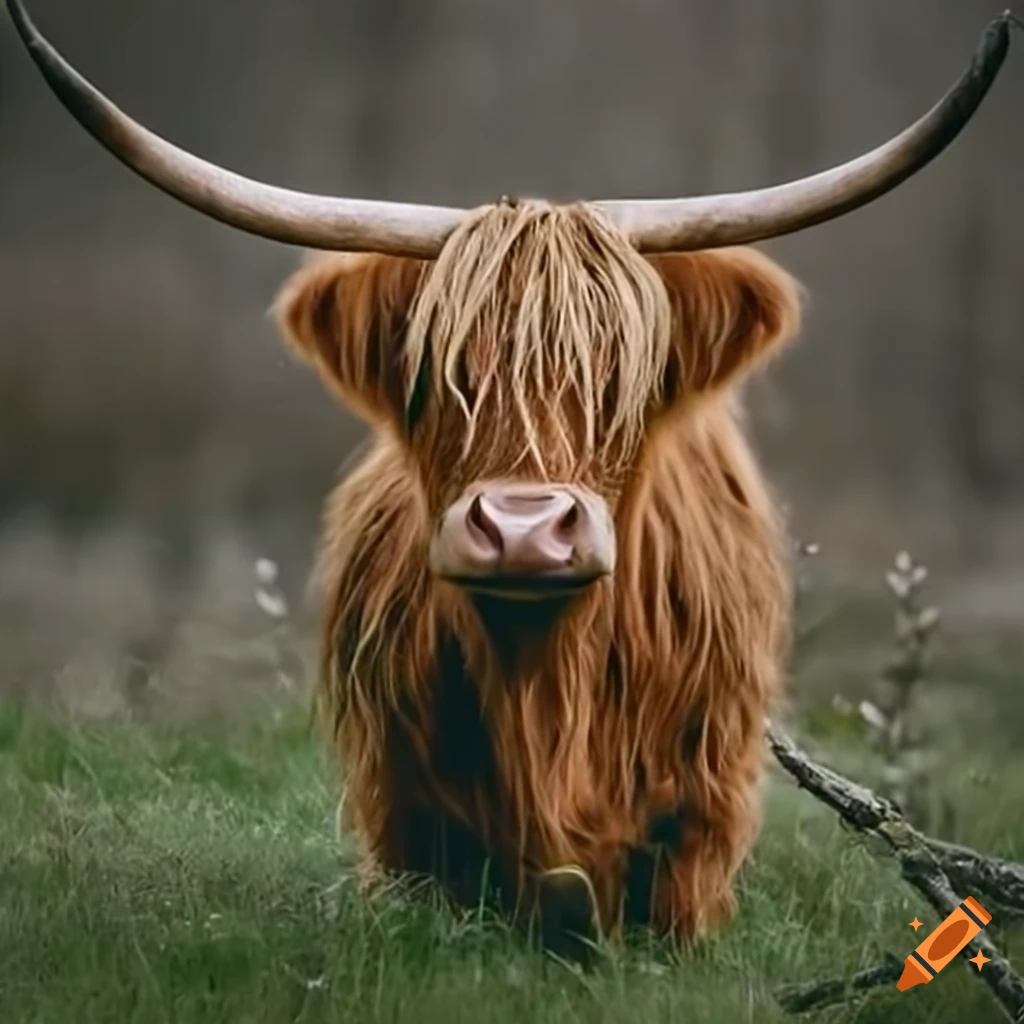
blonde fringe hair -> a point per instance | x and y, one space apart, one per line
556 302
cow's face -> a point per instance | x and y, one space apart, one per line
525 372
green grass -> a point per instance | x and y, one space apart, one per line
154 873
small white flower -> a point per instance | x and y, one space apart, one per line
273 605
872 714
897 584
266 571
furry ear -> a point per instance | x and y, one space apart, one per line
346 315
731 308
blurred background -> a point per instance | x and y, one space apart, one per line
155 441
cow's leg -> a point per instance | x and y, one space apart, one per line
405 818
561 902
428 842
408 836
681 881
402 833
579 890
665 891
568 914
647 865
641 869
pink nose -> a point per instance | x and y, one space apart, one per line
520 530
524 532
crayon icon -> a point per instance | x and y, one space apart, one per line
943 944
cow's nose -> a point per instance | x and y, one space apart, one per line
524 532
502 533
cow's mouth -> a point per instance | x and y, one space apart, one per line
545 586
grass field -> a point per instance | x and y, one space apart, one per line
153 873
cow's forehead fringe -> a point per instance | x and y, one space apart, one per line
531 304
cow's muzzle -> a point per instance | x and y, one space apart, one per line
526 541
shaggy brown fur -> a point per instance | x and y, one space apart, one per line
621 731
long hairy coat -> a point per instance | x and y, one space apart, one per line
620 731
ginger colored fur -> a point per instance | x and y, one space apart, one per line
623 731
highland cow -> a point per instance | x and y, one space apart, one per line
556 594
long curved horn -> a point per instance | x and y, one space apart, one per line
298 218
703 222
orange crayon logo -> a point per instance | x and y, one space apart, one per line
943 944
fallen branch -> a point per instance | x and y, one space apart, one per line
930 866
818 995
1002 881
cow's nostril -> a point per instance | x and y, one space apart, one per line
570 520
482 526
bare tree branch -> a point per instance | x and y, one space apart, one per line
818 995
1002 881
927 864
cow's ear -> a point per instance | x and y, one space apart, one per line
346 314
731 308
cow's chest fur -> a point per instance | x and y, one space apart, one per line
522 763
